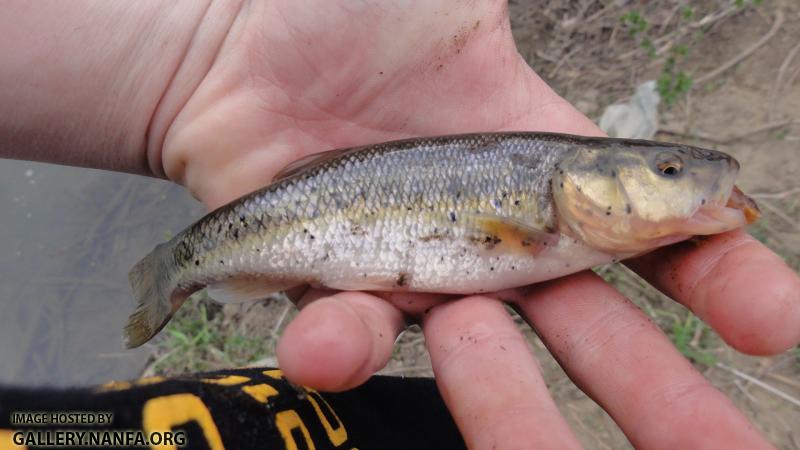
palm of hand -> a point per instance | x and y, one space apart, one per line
293 78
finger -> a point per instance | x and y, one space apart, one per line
338 341
612 351
414 303
489 378
736 284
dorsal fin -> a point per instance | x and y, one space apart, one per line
309 162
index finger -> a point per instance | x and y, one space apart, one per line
736 284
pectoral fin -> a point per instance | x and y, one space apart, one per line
504 234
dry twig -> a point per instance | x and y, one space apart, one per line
777 211
776 25
776 195
727 139
777 85
767 387
785 380
277 328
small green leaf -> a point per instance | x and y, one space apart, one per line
680 50
649 47
179 335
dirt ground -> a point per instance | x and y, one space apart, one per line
595 53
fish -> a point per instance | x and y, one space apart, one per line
458 214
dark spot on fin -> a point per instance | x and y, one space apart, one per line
488 242
505 234
402 279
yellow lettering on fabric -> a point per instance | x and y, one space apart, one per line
229 380
337 435
165 413
260 392
286 422
274 373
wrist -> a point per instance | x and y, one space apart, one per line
81 86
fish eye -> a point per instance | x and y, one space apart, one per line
669 165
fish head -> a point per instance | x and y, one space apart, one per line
641 195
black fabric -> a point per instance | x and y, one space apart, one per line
243 409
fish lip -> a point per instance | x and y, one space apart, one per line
738 211
714 219
739 200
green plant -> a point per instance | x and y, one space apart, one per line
743 3
634 22
200 338
673 83
759 231
648 46
683 332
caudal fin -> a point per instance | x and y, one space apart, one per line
152 291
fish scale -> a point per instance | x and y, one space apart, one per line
374 191
453 214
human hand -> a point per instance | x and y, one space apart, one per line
295 77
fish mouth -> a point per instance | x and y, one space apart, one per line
739 211
635 234
738 200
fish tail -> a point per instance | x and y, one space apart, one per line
151 285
